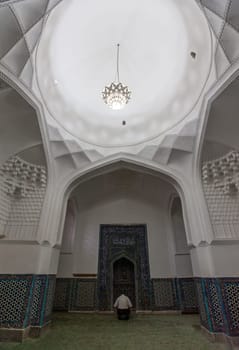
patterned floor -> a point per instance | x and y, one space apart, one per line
105 332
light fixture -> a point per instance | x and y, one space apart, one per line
116 95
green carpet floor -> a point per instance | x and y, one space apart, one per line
105 332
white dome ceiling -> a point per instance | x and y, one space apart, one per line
76 59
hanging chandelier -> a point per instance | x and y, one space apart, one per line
116 95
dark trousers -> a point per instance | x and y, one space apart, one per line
123 314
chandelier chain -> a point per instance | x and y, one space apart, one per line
118 77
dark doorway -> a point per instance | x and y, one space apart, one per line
124 279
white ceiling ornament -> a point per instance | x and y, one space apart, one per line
158 39
116 95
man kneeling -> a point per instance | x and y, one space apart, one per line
123 306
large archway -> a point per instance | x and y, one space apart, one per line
122 196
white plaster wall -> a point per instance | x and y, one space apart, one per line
223 123
28 258
19 126
124 198
183 265
121 211
69 228
218 260
178 228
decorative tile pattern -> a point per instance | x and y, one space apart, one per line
214 302
83 296
219 304
62 294
26 300
230 293
187 295
15 294
164 294
129 241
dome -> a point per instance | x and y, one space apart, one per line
165 56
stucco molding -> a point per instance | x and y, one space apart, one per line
54 214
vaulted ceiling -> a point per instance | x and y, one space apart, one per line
23 25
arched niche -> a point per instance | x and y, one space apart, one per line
219 162
23 166
21 127
121 195
124 279
222 124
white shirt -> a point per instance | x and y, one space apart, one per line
123 302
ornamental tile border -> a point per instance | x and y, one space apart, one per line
203 305
37 307
68 295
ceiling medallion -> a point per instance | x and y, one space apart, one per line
116 95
